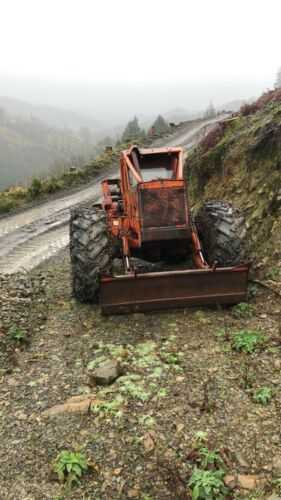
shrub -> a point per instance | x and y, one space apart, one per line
7 204
35 188
212 138
249 109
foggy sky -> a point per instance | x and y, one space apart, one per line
127 57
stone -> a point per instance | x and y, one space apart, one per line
133 493
76 404
230 481
250 481
276 466
274 496
106 373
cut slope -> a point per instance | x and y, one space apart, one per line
240 162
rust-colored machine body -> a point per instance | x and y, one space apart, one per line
148 212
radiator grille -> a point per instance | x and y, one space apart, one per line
163 207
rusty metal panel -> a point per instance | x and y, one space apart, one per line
144 292
163 207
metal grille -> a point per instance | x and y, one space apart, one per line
163 207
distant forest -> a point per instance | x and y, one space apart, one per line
29 146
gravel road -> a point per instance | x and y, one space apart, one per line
29 238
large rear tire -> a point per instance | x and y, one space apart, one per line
90 251
222 231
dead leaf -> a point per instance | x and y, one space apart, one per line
148 442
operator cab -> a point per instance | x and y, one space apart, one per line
152 166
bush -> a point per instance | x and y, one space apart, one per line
249 109
7 204
36 188
213 137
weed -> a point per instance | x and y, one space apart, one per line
16 334
242 310
136 391
201 437
170 358
109 407
70 466
147 420
208 457
252 290
162 393
220 334
273 273
263 395
277 484
247 340
207 485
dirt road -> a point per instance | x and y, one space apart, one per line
28 238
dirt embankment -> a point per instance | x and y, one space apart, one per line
240 161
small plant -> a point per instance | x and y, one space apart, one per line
70 466
16 334
201 437
263 395
273 273
247 340
242 310
207 485
109 407
208 457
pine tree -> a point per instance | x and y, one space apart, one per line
210 111
132 131
160 126
278 79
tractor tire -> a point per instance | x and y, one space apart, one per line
90 251
222 232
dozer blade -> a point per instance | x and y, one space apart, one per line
162 290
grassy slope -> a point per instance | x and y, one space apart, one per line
244 167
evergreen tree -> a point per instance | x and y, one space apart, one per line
210 111
132 131
160 126
278 79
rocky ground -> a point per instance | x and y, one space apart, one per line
178 386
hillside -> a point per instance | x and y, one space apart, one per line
51 115
29 146
240 161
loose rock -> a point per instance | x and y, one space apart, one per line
106 373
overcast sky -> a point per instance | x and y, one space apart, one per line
205 42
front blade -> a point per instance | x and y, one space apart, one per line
162 290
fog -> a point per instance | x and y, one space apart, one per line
115 103
96 65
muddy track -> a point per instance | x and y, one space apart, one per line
29 238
